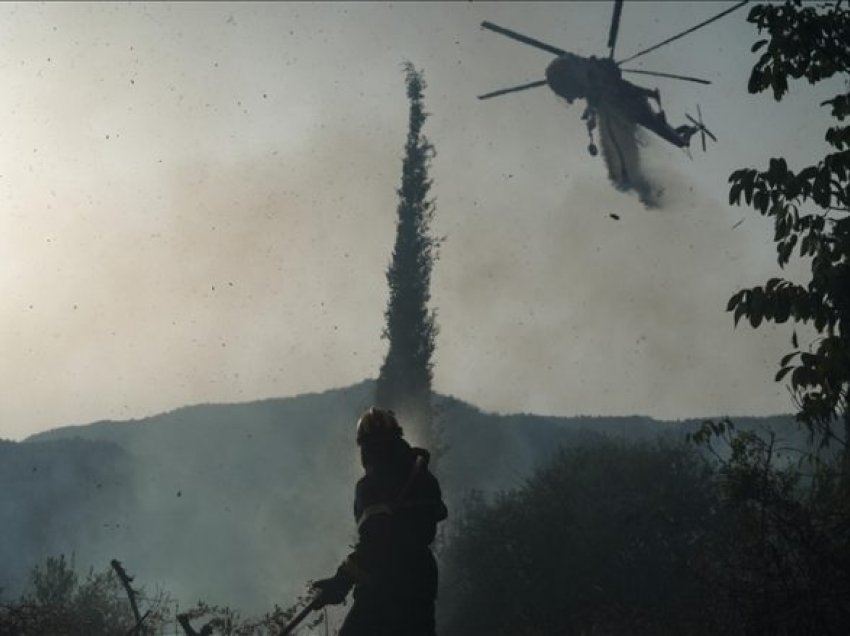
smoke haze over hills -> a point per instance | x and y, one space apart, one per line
242 504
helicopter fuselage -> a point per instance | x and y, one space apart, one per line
575 77
600 82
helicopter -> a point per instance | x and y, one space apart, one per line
612 101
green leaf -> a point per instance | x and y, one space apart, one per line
735 194
739 311
801 377
787 358
782 373
807 174
781 310
761 201
733 302
757 46
809 359
821 191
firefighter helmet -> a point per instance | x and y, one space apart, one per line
377 423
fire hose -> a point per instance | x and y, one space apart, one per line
302 614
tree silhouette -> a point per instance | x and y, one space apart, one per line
810 210
404 382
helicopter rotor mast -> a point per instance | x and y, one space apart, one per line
615 28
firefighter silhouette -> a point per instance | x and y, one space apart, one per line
397 506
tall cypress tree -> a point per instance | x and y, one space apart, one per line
404 382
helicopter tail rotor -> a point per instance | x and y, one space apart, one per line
699 127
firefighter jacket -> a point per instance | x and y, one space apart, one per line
397 506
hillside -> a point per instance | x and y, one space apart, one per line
241 504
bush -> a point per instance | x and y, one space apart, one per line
608 538
789 572
58 602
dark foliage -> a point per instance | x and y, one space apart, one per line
810 208
636 538
609 539
790 570
404 382
788 520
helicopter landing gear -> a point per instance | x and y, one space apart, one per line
589 118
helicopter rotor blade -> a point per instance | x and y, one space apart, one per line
669 75
686 32
615 27
522 38
513 89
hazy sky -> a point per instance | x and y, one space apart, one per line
197 204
